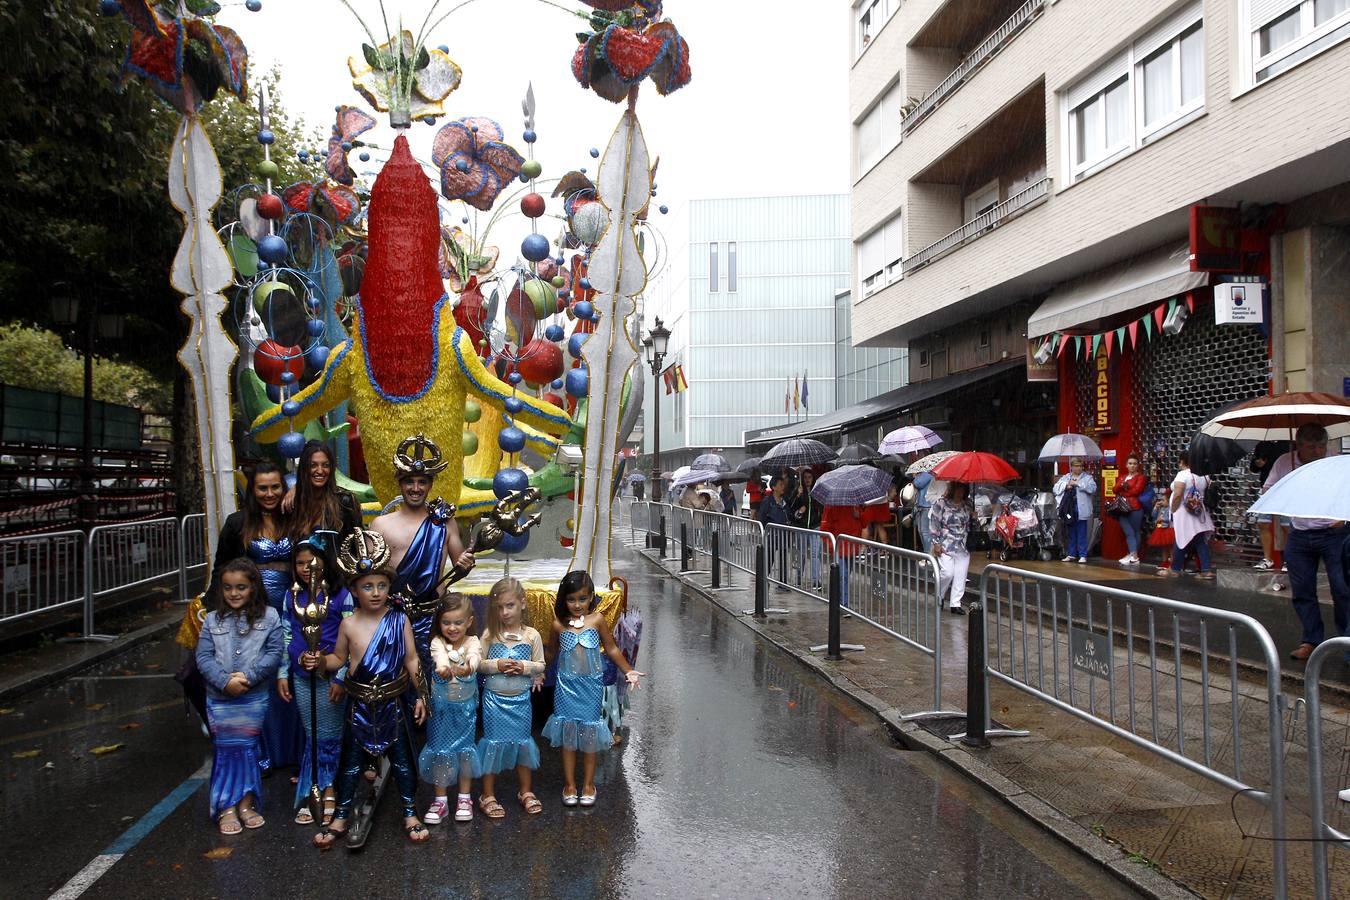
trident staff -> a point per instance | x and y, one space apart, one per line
311 617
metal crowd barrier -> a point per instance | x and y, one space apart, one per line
799 559
123 556
192 544
896 590
640 518
41 572
1056 639
1322 833
739 540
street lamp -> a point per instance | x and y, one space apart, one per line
654 348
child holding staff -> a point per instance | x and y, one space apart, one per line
450 755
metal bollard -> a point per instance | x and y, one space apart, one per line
761 582
716 561
661 537
976 686
833 650
782 563
684 546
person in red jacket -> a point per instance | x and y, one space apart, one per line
1130 487
844 521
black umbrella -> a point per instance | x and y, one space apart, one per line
1211 455
858 453
748 464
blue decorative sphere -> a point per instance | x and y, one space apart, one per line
364 156
323 153
430 120
574 344
513 544
553 333
595 154
316 356
462 165
313 302
274 393
514 378
287 376
109 7
529 137
524 179
557 384
585 283
266 137
509 481
290 481
514 405
272 248
302 155
535 247
290 408
664 209
253 5
465 220
584 309
444 48
582 170
578 382
315 327
558 260
511 439
291 444
563 295
346 145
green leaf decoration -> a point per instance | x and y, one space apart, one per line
423 59
243 253
475 263
372 56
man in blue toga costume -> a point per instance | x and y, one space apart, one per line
421 535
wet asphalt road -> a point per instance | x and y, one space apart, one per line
743 776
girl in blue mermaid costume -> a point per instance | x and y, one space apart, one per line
514 666
450 755
578 724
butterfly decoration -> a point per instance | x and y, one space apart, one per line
351 124
476 166
185 59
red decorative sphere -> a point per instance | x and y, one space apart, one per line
271 207
557 401
532 205
541 362
272 360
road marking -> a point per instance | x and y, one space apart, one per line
99 865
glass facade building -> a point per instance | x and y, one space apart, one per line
862 373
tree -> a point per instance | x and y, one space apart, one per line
37 359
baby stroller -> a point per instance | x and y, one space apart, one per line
1017 528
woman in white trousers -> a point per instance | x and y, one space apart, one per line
949 523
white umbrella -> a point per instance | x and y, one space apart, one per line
924 463
1277 418
909 439
1318 490
1070 444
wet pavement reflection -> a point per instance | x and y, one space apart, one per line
743 775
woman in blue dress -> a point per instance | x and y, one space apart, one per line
578 724
258 532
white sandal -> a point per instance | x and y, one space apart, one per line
587 799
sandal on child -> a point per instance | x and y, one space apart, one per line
329 809
327 837
304 816
491 808
587 799
230 825
569 797
530 803
257 821
417 829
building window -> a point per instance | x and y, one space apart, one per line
878 132
731 267
871 16
1286 32
923 359
1152 86
880 255
712 268
984 338
981 201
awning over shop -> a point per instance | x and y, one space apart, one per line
1147 278
880 407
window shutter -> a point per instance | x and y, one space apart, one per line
1109 72
1263 11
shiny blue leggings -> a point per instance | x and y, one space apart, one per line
354 759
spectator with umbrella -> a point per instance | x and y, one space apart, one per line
921 469
773 510
728 498
806 511
950 519
1074 491
909 439
842 494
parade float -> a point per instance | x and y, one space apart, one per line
359 310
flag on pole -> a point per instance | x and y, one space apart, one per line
806 393
787 398
796 395
681 383
675 380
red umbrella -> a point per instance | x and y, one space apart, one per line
974 467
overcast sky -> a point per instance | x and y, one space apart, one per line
765 114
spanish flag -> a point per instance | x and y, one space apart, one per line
675 380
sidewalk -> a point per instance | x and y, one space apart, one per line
1133 811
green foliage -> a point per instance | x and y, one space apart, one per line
37 359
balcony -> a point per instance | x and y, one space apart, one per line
972 62
1027 198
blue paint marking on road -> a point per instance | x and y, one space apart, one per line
157 814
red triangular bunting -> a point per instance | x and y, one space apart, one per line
1110 342
1190 302
1134 334
1159 314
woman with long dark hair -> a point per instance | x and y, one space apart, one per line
259 532
319 504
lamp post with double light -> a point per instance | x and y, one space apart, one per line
654 348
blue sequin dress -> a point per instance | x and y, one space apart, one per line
507 740
283 735
450 750
578 721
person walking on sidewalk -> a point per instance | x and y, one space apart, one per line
1191 521
1131 487
949 521
1083 486
1311 541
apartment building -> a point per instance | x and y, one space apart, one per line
1097 185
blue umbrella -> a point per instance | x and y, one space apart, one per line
851 486
694 476
796 453
1318 490
637 476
